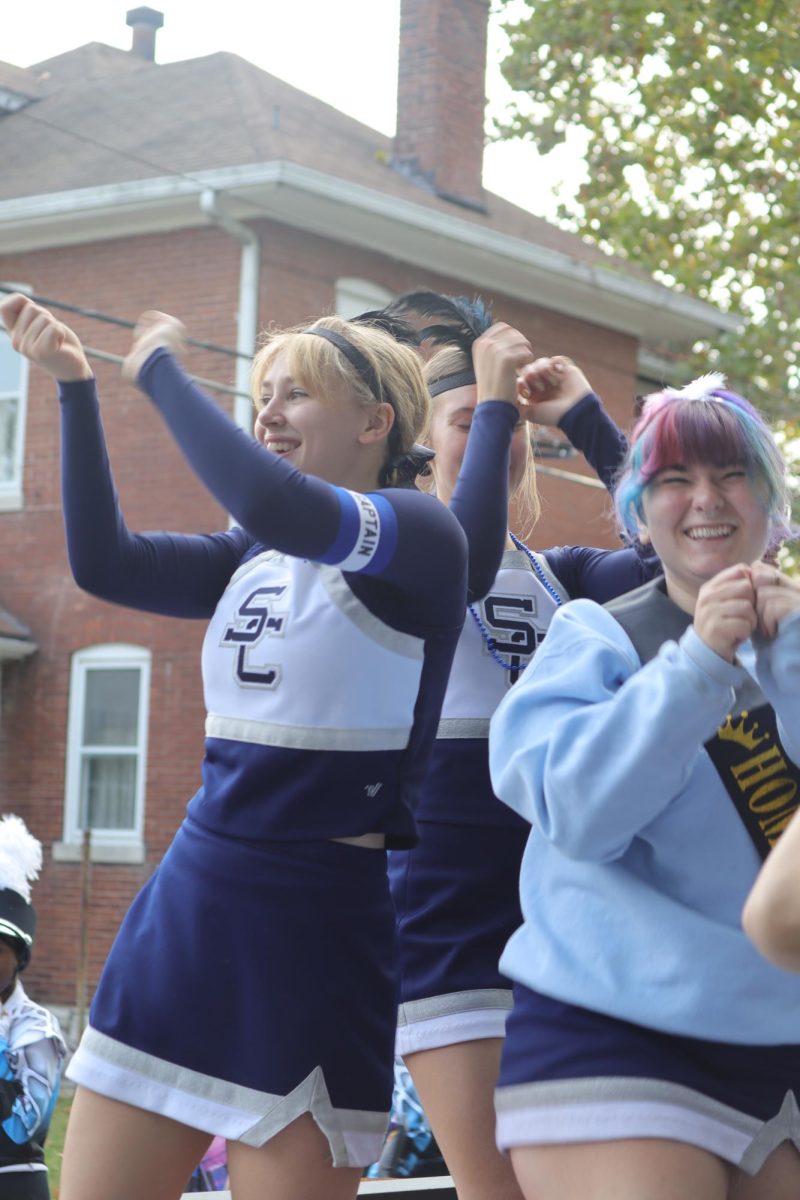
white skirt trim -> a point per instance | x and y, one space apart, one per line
218 1107
610 1109
456 1017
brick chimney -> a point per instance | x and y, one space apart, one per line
145 23
441 97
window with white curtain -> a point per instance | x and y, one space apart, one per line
107 749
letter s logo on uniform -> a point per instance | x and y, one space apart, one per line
511 621
255 619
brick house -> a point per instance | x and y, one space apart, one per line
212 190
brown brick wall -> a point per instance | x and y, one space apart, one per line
193 274
441 100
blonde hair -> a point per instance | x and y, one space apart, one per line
323 370
452 360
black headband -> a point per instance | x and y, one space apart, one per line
448 383
353 356
405 466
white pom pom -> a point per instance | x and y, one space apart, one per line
20 856
700 388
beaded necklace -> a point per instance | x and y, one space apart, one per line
491 644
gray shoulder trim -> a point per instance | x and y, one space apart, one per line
340 593
463 727
254 562
517 558
649 618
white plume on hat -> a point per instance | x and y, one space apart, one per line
700 388
20 856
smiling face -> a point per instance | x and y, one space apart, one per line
323 437
8 967
700 519
452 420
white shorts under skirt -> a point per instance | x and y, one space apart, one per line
457 1017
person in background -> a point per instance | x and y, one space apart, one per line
771 915
32 1049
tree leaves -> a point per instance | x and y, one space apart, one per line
693 120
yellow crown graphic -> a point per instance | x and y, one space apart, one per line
735 731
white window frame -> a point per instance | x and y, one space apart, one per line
108 845
11 493
354 296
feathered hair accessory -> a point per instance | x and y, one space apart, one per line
454 320
20 864
704 387
383 318
20 856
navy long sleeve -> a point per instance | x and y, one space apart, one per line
180 575
278 507
480 496
591 430
591 573
588 571
298 514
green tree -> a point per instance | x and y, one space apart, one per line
789 440
692 119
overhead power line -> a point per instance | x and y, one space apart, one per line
142 160
95 315
212 384
106 356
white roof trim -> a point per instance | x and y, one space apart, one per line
662 370
15 648
337 208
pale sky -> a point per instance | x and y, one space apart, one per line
343 51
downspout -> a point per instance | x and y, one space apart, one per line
247 316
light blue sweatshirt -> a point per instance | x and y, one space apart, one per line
638 863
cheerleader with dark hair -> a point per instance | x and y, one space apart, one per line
456 891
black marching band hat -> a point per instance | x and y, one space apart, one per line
20 863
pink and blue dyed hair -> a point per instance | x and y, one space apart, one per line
703 423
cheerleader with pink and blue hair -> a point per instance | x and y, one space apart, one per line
654 745
693 432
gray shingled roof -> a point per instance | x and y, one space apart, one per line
20 80
106 116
